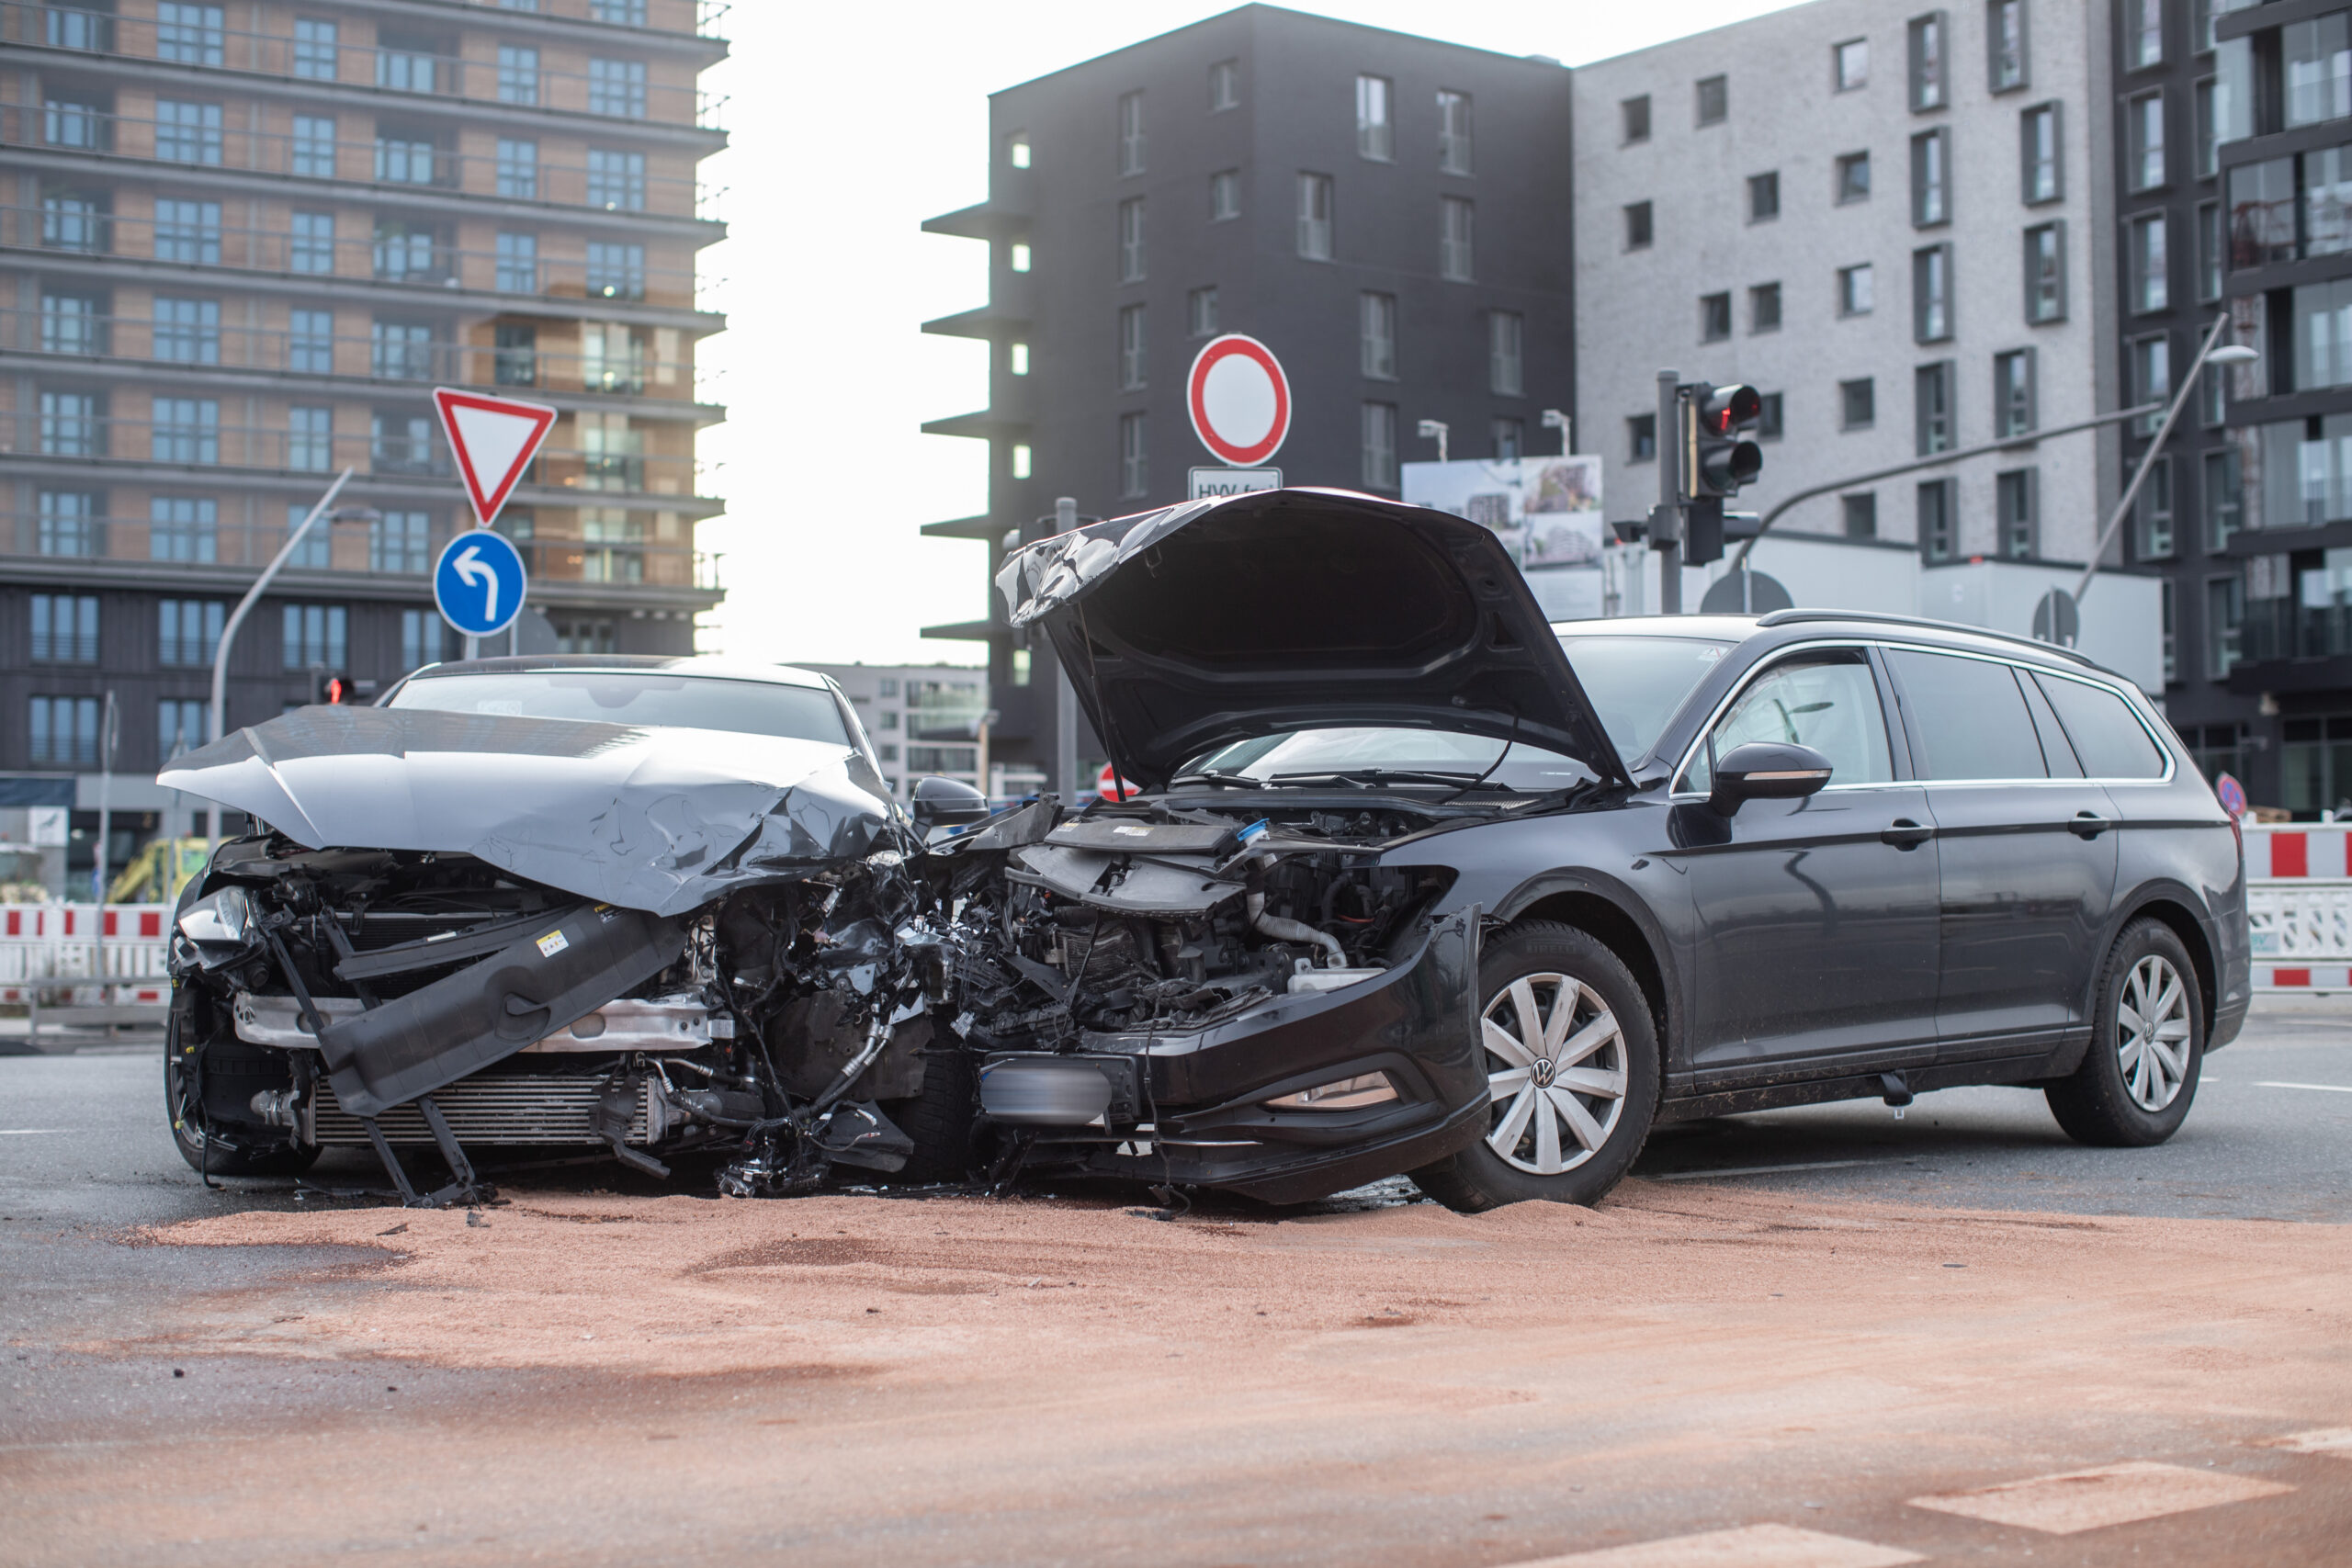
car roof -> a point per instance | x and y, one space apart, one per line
1780 626
698 666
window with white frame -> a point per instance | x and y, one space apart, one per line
2150 364
1930 87
189 34
1315 217
2151 264
187 132
2004 36
2316 68
1225 86
617 88
1200 312
309 439
1849 65
1133 341
2144 33
1931 294
517 169
2045 273
1457 225
1378 467
1131 140
1135 456
1225 195
518 74
1454 132
1506 353
519 264
1933 408
1855 293
2144 149
1376 336
2014 413
311 152
2017 525
2041 155
314 49
2153 514
1938 528
1375 118
1131 256
1931 177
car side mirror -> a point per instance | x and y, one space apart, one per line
940 802
1765 770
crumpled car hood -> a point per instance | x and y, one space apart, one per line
646 818
1195 626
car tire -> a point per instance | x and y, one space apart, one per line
1548 1140
939 1119
230 1155
2147 1046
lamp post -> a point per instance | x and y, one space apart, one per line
1555 420
1436 430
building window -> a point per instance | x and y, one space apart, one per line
618 14
1131 256
1715 317
401 442
72 220
1849 65
1633 118
402 160
188 34
1017 150
403 64
2224 621
1931 294
2317 69
1225 195
187 631
65 628
2322 335
1860 514
1506 358
1200 311
71 425
617 88
1769 406
2263 206
2144 33
313 635
1377 469
1021 460
187 231
1764 308
72 323
188 133
1508 438
1454 132
518 74
1376 336
400 351
2015 494
1016 359
1315 217
1926 40
317 549
1225 86
68 522
2151 268
2145 153
519 264
1713 99
1376 125
1763 197
424 639
2209 153
616 271
1931 177
185 429
1131 142
1017 256
2170 619
2151 360
404 252
515 355
616 179
312 151
2014 413
182 724
2045 273
314 49
84 125
2041 150
310 245
2005 44
2224 495
183 528
1638 231
65 732
1931 392
518 170
1135 456
1457 226
309 439
1857 404
401 541
1134 326
1937 530
2152 512
1853 177
310 342
1641 438
2208 251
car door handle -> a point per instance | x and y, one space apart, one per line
2088 825
1906 834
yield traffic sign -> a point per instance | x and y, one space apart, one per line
494 440
1239 399
479 582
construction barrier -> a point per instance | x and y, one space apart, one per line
2299 906
84 955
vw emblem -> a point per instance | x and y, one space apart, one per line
1543 1072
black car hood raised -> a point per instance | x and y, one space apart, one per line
647 818
1199 624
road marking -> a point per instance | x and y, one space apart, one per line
1756 1546
2329 1087
1766 1169
31 1132
2336 1440
2094 1499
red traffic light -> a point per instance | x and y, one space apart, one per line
1724 408
338 689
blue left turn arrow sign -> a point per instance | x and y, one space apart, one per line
479 582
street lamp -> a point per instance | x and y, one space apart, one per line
1555 420
1436 430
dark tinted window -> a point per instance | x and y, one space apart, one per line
2106 735
2055 749
1971 719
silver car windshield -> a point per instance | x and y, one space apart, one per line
637 696
1637 683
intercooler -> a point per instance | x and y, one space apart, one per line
489 1109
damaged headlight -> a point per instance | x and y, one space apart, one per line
1344 1094
218 927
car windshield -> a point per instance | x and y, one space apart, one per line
637 696
1374 755
1638 682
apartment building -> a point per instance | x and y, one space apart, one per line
238 242
924 719
1388 213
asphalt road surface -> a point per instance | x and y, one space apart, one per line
1827 1322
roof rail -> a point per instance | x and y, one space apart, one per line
1790 617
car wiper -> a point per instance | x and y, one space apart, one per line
1390 775
1214 777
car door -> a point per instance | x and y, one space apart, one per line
2028 853
1817 918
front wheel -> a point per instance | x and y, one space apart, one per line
2147 1045
230 1153
1572 1075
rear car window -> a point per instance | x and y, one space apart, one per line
1971 720
2108 736
640 697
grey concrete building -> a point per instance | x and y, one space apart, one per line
925 719
1389 214
238 245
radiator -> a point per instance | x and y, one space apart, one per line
489 1108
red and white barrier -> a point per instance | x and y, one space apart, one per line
2299 906
85 955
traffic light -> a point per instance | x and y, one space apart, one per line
329 688
1716 461
338 689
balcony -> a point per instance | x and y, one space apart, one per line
2288 629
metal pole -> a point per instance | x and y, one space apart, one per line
1065 694
1669 493
107 725
2148 459
236 619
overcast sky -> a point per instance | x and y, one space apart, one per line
850 125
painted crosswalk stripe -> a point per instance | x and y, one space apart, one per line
1756 1546
2094 1499
2325 1088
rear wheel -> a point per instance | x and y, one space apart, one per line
2147 1046
1572 1074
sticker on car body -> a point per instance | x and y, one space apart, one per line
555 941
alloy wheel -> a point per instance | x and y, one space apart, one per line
2152 1031
1556 1073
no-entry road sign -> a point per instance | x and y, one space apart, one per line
1239 399
493 440
479 582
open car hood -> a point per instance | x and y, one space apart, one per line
647 818
1199 624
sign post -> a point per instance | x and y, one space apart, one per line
1239 403
478 582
